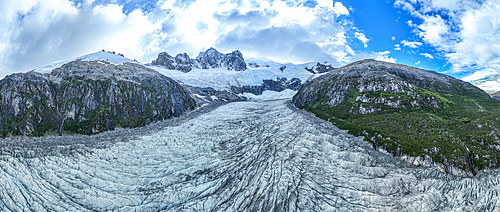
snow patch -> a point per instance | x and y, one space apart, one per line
96 56
271 95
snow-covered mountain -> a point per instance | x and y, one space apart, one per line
108 57
262 154
89 94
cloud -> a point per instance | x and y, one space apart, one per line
393 38
397 47
427 55
360 36
466 32
384 56
37 32
433 30
418 63
413 44
380 56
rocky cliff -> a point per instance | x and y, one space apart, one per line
211 58
410 113
88 97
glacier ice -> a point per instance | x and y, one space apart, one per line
261 155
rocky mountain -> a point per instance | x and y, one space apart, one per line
320 68
420 116
496 95
88 96
211 58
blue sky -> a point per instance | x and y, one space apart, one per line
456 37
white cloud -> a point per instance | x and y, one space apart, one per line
340 9
418 63
393 38
468 37
427 55
397 47
384 56
433 30
360 36
413 44
36 32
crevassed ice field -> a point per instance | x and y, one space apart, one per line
259 155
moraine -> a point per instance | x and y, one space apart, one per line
242 156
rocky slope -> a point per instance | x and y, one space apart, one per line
88 97
421 116
211 58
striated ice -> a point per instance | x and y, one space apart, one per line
244 156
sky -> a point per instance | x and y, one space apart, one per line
460 38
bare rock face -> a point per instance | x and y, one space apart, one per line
211 58
181 62
88 97
320 68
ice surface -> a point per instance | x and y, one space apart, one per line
243 156
223 79
271 95
96 56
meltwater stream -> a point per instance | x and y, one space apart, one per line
243 156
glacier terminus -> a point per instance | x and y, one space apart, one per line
259 155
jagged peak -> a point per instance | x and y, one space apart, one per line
210 58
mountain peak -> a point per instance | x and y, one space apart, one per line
109 57
211 58
408 112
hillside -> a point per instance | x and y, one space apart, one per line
420 116
91 94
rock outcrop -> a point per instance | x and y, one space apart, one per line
88 97
320 68
280 84
211 58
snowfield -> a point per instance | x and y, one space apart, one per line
96 56
223 79
261 155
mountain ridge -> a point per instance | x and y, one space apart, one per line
211 58
410 113
88 97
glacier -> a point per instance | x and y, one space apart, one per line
223 79
258 155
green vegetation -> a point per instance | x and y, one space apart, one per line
61 109
463 128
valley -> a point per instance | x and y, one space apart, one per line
263 154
